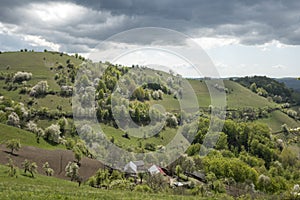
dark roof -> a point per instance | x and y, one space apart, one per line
197 175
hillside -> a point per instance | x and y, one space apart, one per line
42 92
43 187
291 83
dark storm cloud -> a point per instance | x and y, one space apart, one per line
252 22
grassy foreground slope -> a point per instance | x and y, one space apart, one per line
43 187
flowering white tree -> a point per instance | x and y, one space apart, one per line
39 89
52 133
13 119
32 127
22 76
72 170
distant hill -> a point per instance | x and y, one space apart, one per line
293 83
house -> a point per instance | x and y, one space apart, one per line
133 167
130 168
155 170
140 165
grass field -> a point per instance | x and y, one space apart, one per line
279 118
43 187
165 136
39 64
26 138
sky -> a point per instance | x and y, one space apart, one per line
240 37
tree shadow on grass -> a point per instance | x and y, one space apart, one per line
27 175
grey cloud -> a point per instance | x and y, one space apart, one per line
252 21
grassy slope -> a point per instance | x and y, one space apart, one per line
39 65
43 187
279 118
26 138
34 62
164 137
238 96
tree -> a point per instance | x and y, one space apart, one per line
285 129
13 119
263 183
178 170
288 157
21 76
253 87
156 182
12 171
62 122
171 120
29 167
13 144
155 95
72 171
77 154
102 178
48 171
141 176
52 133
40 89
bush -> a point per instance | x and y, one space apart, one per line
32 127
21 76
72 170
52 133
13 144
13 119
40 89
171 120
66 90
142 188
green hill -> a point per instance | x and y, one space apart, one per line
293 83
277 119
36 94
237 97
46 65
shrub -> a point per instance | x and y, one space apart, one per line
12 171
13 119
143 188
52 133
72 170
32 127
13 144
66 90
171 120
21 76
48 171
29 167
40 89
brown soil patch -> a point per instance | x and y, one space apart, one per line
58 159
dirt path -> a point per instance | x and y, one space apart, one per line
58 159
